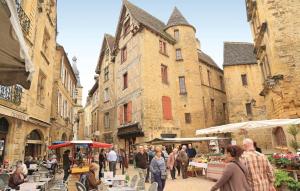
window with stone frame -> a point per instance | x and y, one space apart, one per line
178 54
164 74
41 89
201 75
125 81
280 137
265 67
106 95
106 54
106 120
255 22
212 108
46 39
182 87
126 27
62 69
244 79
222 87
224 111
176 34
106 73
209 77
162 47
188 118
123 54
248 109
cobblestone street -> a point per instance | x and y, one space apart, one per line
191 183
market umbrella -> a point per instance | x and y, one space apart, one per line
56 146
100 145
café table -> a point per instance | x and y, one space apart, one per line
31 186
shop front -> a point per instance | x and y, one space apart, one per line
129 133
34 144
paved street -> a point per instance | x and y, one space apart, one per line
192 183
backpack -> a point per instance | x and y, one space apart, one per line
84 180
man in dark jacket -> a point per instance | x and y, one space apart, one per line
141 161
66 164
191 152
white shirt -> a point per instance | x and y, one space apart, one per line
25 170
112 156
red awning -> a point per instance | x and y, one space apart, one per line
56 146
100 145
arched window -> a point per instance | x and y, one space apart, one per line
64 137
34 135
3 125
280 137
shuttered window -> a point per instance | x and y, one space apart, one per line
167 108
164 74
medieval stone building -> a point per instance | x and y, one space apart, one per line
155 81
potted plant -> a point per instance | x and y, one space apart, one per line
294 130
283 182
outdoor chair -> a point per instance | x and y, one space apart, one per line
140 185
80 186
3 181
133 181
153 187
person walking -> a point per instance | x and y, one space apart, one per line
260 176
112 158
66 164
141 160
234 175
191 152
158 169
172 163
184 161
151 154
102 159
124 161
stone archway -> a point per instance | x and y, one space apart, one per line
4 127
64 137
34 143
280 138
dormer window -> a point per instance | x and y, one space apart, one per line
176 34
126 27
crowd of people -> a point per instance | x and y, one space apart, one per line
246 169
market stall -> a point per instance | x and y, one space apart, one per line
88 144
209 164
286 163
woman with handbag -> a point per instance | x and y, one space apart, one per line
234 175
158 169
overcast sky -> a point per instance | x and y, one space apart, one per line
82 24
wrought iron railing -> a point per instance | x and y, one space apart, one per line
24 19
12 94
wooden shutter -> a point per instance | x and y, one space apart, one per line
129 112
167 108
121 115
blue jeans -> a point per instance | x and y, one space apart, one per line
161 182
